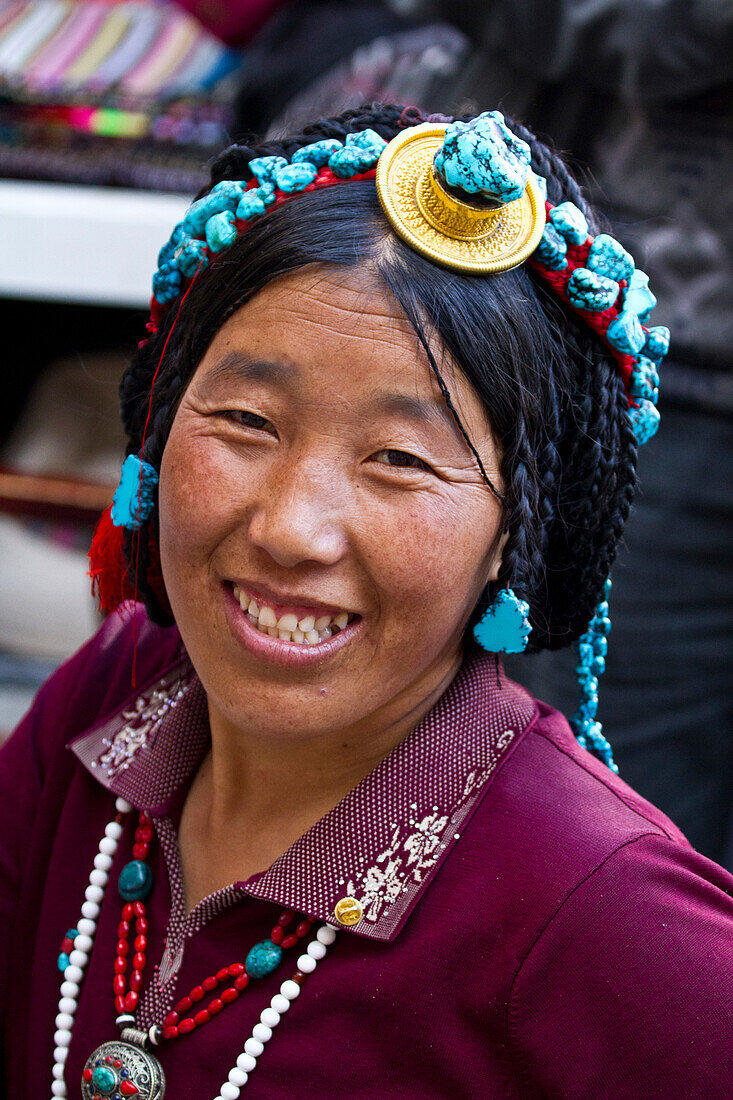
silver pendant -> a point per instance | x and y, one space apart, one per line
121 1070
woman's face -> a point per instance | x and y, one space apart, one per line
314 468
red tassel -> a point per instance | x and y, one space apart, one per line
112 577
107 566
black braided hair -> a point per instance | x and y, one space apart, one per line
553 392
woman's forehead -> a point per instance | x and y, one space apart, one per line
341 328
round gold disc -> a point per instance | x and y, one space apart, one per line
448 231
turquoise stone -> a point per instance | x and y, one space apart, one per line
104 1080
189 255
168 250
135 881
360 154
264 168
295 177
541 184
607 257
586 290
505 626
167 282
644 421
570 222
263 958
626 334
645 380
318 152
251 205
135 495
63 961
225 196
657 343
221 231
552 249
638 297
483 157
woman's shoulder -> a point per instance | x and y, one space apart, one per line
126 652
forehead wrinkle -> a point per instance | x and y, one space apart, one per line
238 367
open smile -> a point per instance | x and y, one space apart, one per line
287 634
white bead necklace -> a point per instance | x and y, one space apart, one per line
74 974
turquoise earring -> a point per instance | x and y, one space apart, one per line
504 626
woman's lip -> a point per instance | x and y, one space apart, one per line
293 654
282 604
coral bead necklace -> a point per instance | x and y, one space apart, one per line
127 1067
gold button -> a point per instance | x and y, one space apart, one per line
348 911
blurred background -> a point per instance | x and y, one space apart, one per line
109 114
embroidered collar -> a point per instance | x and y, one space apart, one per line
384 841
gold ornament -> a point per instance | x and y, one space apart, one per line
348 911
462 235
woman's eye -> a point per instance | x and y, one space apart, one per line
400 459
250 420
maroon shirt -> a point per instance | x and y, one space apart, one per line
532 927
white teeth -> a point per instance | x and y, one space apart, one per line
288 622
267 617
308 631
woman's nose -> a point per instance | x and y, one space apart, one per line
299 517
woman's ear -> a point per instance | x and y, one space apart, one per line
496 557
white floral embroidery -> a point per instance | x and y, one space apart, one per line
141 720
423 842
412 854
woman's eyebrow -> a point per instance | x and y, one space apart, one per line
413 408
236 367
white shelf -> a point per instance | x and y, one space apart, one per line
94 245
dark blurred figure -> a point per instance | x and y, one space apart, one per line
641 92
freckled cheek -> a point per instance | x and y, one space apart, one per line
428 563
197 501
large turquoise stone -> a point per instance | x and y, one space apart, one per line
360 154
626 333
645 380
104 1080
657 343
135 881
251 204
639 298
318 152
135 495
587 290
570 221
189 254
225 196
552 249
167 282
607 257
644 421
295 177
221 231
264 168
263 958
483 157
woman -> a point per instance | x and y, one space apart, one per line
380 432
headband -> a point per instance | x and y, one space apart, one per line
463 195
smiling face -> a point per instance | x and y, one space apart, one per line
314 468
